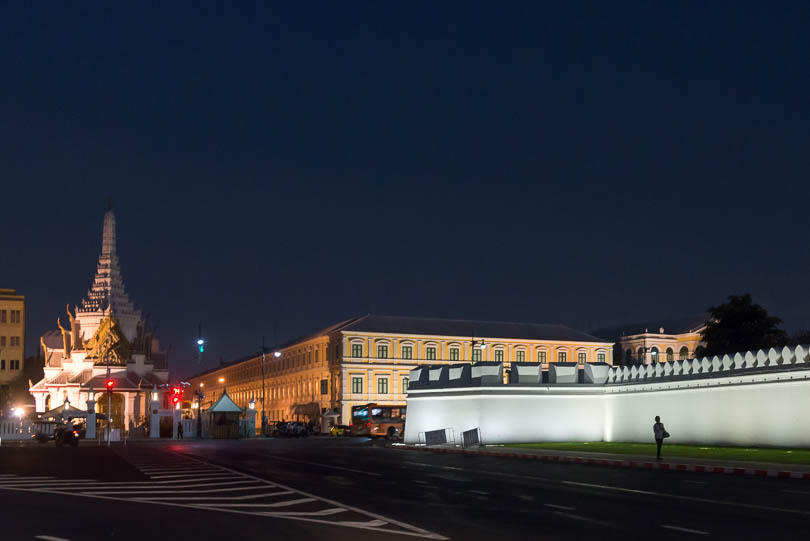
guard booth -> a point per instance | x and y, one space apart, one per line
223 418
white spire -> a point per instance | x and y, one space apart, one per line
108 234
108 288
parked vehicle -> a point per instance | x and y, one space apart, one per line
291 429
341 430
378 421
66 435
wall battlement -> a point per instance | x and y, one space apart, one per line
754 398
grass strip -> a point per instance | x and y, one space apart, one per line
743 454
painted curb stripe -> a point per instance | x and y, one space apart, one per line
661 466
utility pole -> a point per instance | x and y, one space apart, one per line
198 392
264 419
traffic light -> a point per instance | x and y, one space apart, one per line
110 384
176 395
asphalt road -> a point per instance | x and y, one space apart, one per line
351 488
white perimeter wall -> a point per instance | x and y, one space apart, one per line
752 410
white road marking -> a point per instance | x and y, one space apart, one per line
209 498
364 472
691 498
481 492
180 491
167 489
796 492
563 507
687 530
185 475
50 538
479 472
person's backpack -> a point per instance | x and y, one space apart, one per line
666 434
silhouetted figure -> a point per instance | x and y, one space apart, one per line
180 430
660 433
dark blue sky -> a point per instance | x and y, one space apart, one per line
295 166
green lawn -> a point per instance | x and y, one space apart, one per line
787 456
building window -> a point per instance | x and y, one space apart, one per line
2 341
640 355
453 354
654 355
628 356
407 352
684 353
498 355
541 357
670 355
476 356
581 357
357 350
2 316
562 356
600 357
357 385
2 364
382 351
430 353
520 356
324 386
382 385
405 382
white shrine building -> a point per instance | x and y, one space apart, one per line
104 337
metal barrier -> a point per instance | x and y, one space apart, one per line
437 437
471 437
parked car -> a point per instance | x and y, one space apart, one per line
341 430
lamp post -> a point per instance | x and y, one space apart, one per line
481 344
199 394
276 354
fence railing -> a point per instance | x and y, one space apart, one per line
437 437
471 437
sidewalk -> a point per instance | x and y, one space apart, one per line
699 465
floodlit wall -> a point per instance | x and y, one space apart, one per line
765 405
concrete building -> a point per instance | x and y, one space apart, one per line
12 335
656 341
368 359
105 337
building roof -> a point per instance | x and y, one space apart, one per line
670 325
224 405
459 327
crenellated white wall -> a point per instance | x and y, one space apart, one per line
765 408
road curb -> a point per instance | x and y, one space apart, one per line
662 466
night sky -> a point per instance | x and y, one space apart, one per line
290 167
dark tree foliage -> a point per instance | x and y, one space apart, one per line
740 325
801 338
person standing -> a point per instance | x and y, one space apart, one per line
179 430
660 433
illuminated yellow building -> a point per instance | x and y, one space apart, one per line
367 359
657 341
12 335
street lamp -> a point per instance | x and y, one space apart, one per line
252 403
221 379
480 344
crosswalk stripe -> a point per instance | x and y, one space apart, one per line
190 498
184 475
180 491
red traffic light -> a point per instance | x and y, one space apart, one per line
175 399
176 390
110 383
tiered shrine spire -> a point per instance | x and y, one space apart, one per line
108 289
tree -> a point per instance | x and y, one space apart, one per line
740 325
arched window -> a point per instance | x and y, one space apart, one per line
684 353
654 355
628 355
670 355
640 353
